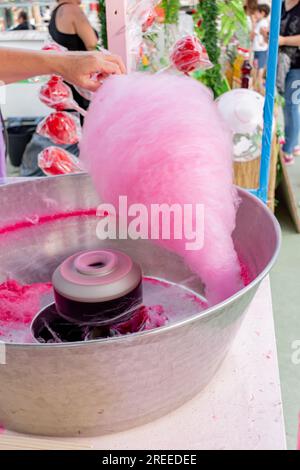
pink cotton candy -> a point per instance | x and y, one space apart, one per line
18 306
159 139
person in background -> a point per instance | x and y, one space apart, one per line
260 45
70 28
76 68
23 22
250 7
289 41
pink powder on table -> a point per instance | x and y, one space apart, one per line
20 303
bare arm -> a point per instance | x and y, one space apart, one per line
289 4
75 67
19 64
85 30
293 41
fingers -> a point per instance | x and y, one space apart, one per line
117 60
90 85
111 64
110 68
83 67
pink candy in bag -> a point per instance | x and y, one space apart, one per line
189 55
55 161
60 127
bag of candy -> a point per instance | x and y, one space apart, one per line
189 55
58 95
61 128
55 161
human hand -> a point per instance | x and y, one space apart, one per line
79 68
265 33
282 41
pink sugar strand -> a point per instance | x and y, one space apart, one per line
23 224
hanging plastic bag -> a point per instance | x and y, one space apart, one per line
60 127
55 161
58 95
86 94
141 16
189 55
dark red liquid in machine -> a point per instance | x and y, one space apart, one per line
50 327
100 313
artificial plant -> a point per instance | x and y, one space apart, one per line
207 29
102 19
171 8
232 19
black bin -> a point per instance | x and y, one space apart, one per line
20 132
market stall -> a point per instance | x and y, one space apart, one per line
144 36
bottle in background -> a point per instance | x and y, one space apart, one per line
246 72
242 55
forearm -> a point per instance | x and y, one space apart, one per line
292 41
290 4
19 64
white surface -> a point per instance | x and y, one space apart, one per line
21 99
22 36
240 409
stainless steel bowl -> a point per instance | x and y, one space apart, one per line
110 385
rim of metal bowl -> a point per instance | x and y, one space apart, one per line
164 329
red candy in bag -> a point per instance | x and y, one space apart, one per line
56 94
149 21
60 127
189 55
56 161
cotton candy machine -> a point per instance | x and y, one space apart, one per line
111 384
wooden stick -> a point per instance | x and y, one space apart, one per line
14 442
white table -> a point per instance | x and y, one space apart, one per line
240 409
21 99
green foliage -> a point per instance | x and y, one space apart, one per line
171 8
207 31
232 18
102 19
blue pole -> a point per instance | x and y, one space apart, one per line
269 101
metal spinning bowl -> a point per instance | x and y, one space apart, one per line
110 385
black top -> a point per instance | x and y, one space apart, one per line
290 26
72 42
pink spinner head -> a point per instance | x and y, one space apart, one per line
97 286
